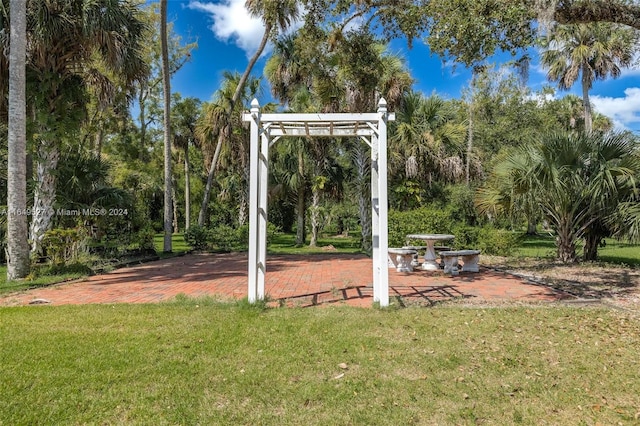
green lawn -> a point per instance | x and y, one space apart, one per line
614 251
286 244
198 362
178 245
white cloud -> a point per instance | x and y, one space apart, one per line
232 22
624 111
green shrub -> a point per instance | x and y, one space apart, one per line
498 242
227 238
461 204
420 221
198 237
63 245
466 237
224 237
145 239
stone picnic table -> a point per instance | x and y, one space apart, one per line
430 263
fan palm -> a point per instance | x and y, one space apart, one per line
186 112
66 38
577 180
588 52
277 15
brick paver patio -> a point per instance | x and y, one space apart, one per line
290 280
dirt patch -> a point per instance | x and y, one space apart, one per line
614 284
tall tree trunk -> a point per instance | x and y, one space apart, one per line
243 210
187 189
174 204
362 162
566 242
17 227
591 243
300 213
166 86
221 137
588 121
44 193
467 170
301 201
142 117
98 143
315 217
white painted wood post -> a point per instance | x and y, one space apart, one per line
262 212
383 211
252 291
375 219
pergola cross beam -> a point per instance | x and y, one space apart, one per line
269 127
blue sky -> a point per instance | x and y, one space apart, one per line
227 36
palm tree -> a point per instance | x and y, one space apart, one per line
578 180
291 80
66 38
277 15
166 89
427 140
186 112
17 229
388 78
590 52
216 122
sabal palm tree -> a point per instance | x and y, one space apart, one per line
186 112
216 122
588 52
369 72
166 91
65 38
427 140
291 80
17 227
277 15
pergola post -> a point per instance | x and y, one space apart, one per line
253 206
375 218
263 181
383 209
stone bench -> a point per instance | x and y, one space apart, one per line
415 262
469 258
401 258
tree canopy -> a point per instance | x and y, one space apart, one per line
469 31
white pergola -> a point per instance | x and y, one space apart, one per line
266 129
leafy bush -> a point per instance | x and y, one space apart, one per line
498 242
466 237
145 239
224 237
198 237
419 221
63 245
461 204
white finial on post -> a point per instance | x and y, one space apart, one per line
255 108
382 105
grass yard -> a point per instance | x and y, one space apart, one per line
543 246
178 245
199 362
286 244
40 281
